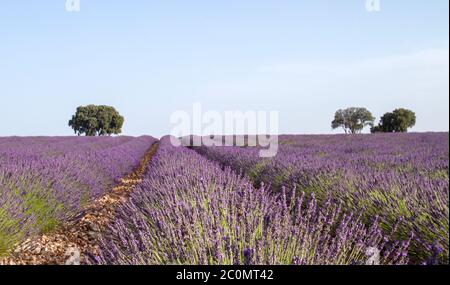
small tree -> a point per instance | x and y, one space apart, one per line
398 121
352 120
95 120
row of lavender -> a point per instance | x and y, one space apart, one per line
46 180
188 210
397 177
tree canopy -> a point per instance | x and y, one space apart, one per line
95 120
352 120
398 121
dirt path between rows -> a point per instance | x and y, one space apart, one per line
72 243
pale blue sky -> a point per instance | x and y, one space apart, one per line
304 59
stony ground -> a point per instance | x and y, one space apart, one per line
72 243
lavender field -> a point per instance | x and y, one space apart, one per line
320 200
44 180
188 210
401 180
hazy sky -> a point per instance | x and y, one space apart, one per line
304 59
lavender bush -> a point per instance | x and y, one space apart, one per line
46 180
398 177
190 211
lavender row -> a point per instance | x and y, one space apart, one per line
188 210
47 180
393 176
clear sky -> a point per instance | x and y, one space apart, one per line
148 58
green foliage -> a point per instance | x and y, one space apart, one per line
8 235
352 120
41 209
95 120
398 121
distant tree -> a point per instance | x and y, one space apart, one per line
375 129
352 120
386 124
95 120
398 121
